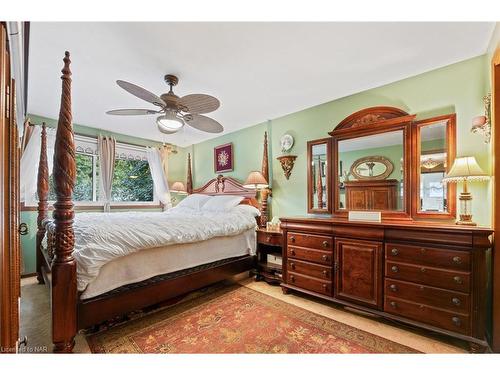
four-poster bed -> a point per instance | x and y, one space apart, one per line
56 263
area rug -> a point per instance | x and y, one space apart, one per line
236 319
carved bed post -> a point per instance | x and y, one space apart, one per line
43 194
64 291
264 193
189 180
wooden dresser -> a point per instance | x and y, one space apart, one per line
371 195
421 274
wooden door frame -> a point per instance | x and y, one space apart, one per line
495 91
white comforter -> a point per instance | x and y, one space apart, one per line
102 237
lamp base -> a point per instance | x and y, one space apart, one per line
469 223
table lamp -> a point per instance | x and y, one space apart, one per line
465 169
256 180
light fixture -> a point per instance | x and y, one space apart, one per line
482 124
169 123
465 169
255 180
429 163
178 187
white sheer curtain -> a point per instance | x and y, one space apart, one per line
106 146
30 160
158 175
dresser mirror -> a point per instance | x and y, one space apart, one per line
435 152
371 159
319 176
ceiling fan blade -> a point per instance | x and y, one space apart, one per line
203 123
199 103
131 112
141 93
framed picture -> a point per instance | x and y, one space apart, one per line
223 158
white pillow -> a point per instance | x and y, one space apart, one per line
222 203
247 209
194 201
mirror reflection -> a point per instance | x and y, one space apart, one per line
371 172
319 176
433 157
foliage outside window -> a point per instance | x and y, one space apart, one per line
132 181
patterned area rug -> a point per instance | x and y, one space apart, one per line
236 319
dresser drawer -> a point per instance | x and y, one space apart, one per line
448 320
309 269
459 260
266 238
437 277
311 255
310 240
309 283
427 295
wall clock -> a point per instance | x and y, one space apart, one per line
286 142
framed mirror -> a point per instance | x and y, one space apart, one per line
319 156
371 152
435 144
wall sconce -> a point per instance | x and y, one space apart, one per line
481 124
287 162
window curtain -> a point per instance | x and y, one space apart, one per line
158 174
164 151
30 159
106 147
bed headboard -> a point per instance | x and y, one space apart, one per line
222 185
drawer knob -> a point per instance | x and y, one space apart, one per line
394 251
324 286
457 321
458 280
292 252
325 244
324 257
423 270
292 278
292 265
394 304
422 250
456 301
325 272
393 287
394 269
292 239
457 260
268 239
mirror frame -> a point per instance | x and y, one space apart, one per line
389 167
310 183
371 121
450 157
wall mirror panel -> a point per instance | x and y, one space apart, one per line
371 172
434 140
319 176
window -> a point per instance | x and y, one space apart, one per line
132 181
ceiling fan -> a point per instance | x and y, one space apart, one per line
175 111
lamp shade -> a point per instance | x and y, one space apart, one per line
465 168
178 187
255 180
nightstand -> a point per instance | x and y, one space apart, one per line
269 256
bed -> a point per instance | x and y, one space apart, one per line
101 266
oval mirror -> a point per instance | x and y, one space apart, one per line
371 168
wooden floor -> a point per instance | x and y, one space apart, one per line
35 320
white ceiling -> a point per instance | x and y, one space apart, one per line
259 71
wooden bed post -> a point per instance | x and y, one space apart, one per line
189 180
264 193
43 194
64 291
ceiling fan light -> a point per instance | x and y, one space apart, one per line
169 124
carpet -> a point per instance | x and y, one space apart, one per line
236 319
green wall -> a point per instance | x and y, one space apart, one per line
455 88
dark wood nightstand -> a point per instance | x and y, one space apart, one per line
269 244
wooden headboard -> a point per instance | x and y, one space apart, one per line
222 185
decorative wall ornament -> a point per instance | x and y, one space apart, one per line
482 124
286 143
372 168
287 162
223 158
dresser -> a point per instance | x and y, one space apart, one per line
423 274
371 195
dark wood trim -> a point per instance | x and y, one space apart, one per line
495 85
27 275
311 183
450 215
